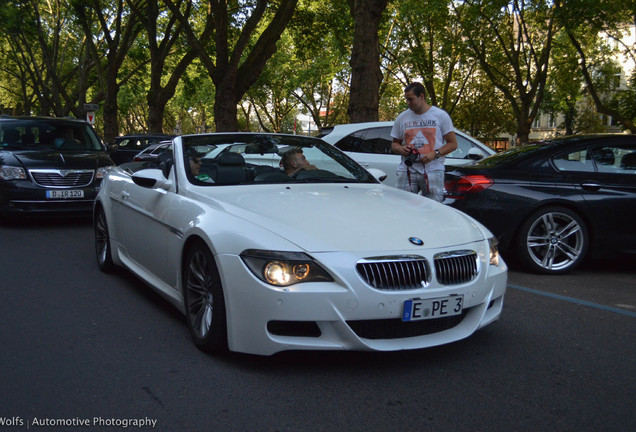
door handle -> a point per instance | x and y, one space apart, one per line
592 186
125 195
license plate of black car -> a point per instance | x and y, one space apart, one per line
65 194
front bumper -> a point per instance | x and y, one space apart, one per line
25 197
348 314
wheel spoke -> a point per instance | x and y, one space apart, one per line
198 265
571 229
201 320
548 258
569 251
538 241
196 286
196 305
206 320
548 222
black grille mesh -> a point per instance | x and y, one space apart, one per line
395 274
456 267
397 329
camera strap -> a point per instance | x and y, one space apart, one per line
408 177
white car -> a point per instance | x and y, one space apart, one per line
327 259
369 144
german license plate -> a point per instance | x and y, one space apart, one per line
65 194
420 309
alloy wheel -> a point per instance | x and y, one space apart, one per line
556 241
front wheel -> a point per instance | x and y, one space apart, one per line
552 240
204 301
102 243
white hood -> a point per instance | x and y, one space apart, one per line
323 218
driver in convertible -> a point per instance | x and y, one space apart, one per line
195 167
294 160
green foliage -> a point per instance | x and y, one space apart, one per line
479 59
190 111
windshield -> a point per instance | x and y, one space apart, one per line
232 159
512 155
42 134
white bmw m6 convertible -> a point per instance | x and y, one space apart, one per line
279 242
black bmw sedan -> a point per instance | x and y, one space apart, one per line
553 202
49 165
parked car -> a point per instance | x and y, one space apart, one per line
327 259
124 148
553 202
369 144
153 151
49 165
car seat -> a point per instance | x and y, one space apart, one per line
628 162
230 169
28 139
11 137
603 156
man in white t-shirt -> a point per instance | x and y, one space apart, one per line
422 135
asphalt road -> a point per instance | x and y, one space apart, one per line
99 352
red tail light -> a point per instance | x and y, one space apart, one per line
466 185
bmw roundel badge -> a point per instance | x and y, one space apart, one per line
416 241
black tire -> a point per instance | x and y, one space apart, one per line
203 300
103 250
553 240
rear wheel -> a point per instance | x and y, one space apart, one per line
102 243
552 240
204 301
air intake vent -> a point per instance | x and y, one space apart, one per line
395 273
456 267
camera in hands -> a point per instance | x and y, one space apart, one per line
412 157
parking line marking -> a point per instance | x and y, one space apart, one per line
576 301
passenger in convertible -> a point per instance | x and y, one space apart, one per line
293 161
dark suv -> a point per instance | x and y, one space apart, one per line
49 165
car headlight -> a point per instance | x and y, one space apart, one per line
12 173
284 268
102 171
494 252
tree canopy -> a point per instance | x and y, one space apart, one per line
189 66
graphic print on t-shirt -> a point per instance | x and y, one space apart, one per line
423 139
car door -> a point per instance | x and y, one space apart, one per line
145 232
607 185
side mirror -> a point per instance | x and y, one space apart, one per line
475 154
378 174
151 178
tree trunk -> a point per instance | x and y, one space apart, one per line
366 77
225 106
111 122
524 125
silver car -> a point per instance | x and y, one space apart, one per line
369 144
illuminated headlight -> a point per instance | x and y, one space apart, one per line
494 252
12 173
102 171
284 268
